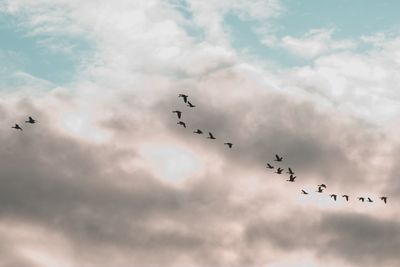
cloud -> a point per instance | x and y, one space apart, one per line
77 189
315 43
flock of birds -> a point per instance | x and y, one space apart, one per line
198 131
30 121
279 170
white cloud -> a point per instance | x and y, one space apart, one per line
314 43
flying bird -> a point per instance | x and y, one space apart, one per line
229 144
182 123
277 158
361 198
322 185
178 113
304 192
346 197
184 97
198 131
30 120
269 166
384 199
333 196
320 190
290 171
279 171
370 200
190 105
291 178
17 127
211 136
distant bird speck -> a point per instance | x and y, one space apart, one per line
346 197
304 192
178 113
322 185
229 144
277 158
333 196
185 97
279 171
384 199
211 136
291 178
361 198
182 123
198 131
290 171
370 200
17 127
269 166
30 120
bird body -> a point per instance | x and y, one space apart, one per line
185 97
346 197
279 171
178 113
320 190
361 198
198 131
229 144
30 120
304 192
333 196
269 166
291 178
182 123
370 200
17 127
384 199
211 136
290 171
277 158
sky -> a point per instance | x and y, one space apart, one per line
106 177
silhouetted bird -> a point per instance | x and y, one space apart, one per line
279 171
320 190
333 196
290 171
182 123
277 158
17 127
322 185
370 200
184 97
304 192
198 131
384 199
361 198
30 120
190 105
211 136
291 178
269 166
229 144
179 113
346 197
